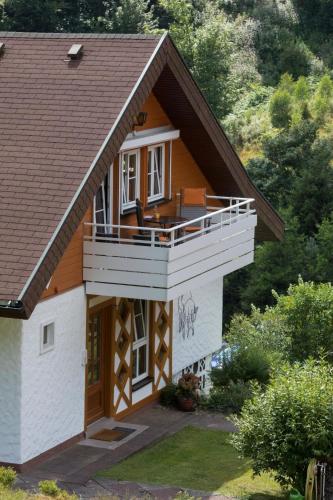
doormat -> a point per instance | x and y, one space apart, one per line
115 434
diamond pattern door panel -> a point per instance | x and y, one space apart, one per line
122 361
162 350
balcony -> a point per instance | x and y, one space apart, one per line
169 262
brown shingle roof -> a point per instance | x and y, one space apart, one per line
62 124
54 117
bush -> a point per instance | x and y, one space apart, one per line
280 109
7 476
245 365
230 398
307 311
168 395
49 488
290 423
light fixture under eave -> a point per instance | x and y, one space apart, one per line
2 48
140 119
75 52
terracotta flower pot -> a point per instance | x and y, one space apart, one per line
185 404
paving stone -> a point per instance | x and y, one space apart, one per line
76 468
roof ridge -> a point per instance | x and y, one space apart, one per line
28 34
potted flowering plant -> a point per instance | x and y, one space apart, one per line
187 392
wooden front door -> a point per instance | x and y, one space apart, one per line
96 366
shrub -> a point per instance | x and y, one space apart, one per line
247 364
262 331
168 395
7 476
307 311
49 488
230 398
282 428
280 109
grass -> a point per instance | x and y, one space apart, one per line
8 494
11 494
198 459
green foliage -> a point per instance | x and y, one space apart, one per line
247 363
263 332
49 488
280 109
131 16
229 398
7 477
168 395
301 90
39 15
307 310
324 261
322 102
282 428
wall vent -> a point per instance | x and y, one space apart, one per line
76 51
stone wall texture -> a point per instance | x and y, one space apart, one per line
10 390
46 391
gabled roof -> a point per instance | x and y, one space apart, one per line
62 123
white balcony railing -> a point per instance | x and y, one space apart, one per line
166 262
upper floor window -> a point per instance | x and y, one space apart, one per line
103 205
130 164
156 172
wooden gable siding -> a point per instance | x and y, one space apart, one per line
69 272
185 171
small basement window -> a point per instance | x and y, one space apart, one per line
47 337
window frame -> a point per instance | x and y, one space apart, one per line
150 176
49 346
107 199
129 204
144 341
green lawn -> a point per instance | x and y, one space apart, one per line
196 459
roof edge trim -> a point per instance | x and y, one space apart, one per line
92 166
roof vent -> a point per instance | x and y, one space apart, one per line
75 52
2 48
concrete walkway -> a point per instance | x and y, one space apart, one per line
75 468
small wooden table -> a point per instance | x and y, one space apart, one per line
166 220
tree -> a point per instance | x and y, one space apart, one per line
324 261
39 15
211 61
280 109
290 423
275 267
181 25
131 16
312 199
308 312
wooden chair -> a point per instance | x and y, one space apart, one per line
144 235
140 216
193 204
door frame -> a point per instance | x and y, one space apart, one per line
106 308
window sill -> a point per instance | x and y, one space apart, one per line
160 201
142 383
129 210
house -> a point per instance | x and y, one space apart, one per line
95 320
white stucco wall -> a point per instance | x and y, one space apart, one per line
53 384
42 395
197 332
10 390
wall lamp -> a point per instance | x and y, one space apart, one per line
140 119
